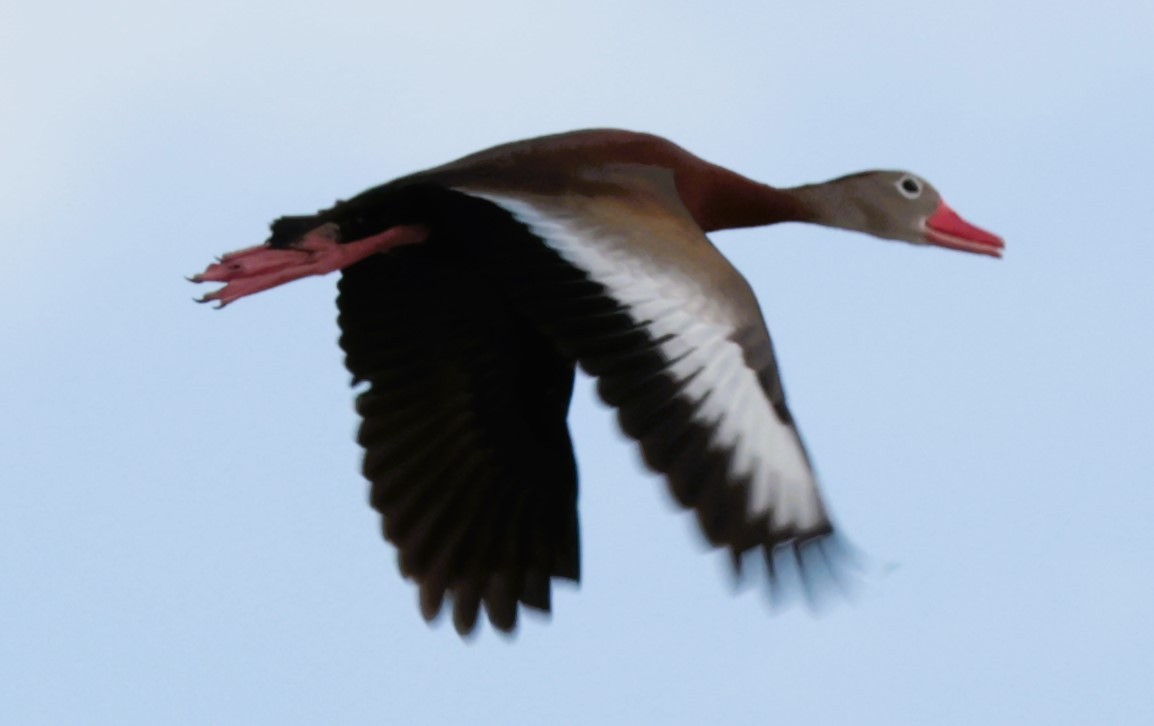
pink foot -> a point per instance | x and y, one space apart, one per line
319 252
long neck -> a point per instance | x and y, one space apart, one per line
721 199
832 203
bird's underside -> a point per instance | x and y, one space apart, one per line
467 329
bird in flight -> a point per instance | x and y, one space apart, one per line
470 292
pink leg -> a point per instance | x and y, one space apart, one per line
255 269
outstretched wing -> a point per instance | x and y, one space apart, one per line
468 341
466 445
628 285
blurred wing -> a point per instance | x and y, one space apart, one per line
627 284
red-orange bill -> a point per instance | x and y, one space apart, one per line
946 229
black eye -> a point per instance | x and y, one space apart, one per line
910 187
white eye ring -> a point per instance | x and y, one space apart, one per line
909 186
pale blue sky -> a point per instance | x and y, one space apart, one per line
184 535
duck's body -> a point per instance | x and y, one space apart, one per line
470 291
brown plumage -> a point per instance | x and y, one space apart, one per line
468 294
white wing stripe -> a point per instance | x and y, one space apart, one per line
726 394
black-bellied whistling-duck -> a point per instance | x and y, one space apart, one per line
470 291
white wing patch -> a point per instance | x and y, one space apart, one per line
724 392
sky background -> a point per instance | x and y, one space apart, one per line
184 533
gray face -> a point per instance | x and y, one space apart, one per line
888 204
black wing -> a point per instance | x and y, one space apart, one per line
635 292
466 444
